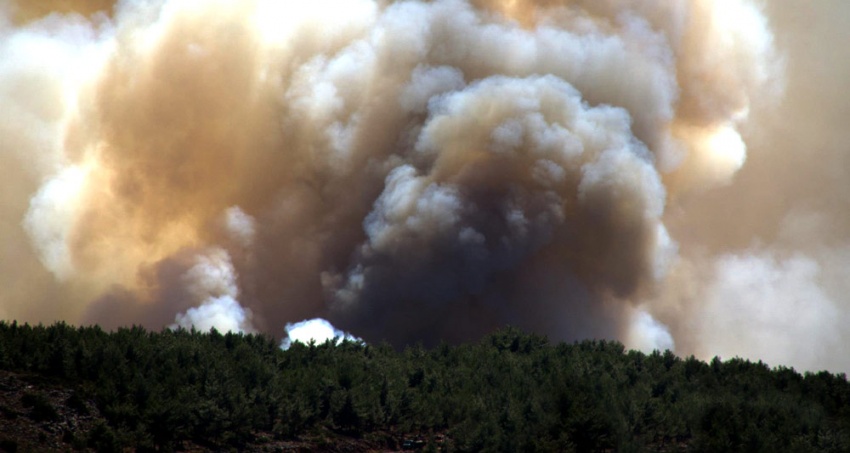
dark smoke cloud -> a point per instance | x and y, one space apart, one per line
412 170
508 169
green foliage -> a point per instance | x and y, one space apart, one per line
509 392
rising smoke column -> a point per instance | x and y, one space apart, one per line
514 173
407 170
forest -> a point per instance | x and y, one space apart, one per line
179 390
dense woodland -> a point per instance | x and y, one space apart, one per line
509 392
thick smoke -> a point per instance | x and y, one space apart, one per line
764 261
416 171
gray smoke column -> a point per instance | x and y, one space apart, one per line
506 179
409 171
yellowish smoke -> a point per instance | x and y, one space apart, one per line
408 170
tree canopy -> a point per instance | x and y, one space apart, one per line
511 391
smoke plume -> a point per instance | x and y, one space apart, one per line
428 170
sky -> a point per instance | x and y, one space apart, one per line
669 174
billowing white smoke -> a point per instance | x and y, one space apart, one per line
780 307
775 306
647 334
51 209
211 283
313 330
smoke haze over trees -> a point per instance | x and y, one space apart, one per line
667 174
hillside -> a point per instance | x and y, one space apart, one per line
63 387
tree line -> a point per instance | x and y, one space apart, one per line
511 391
